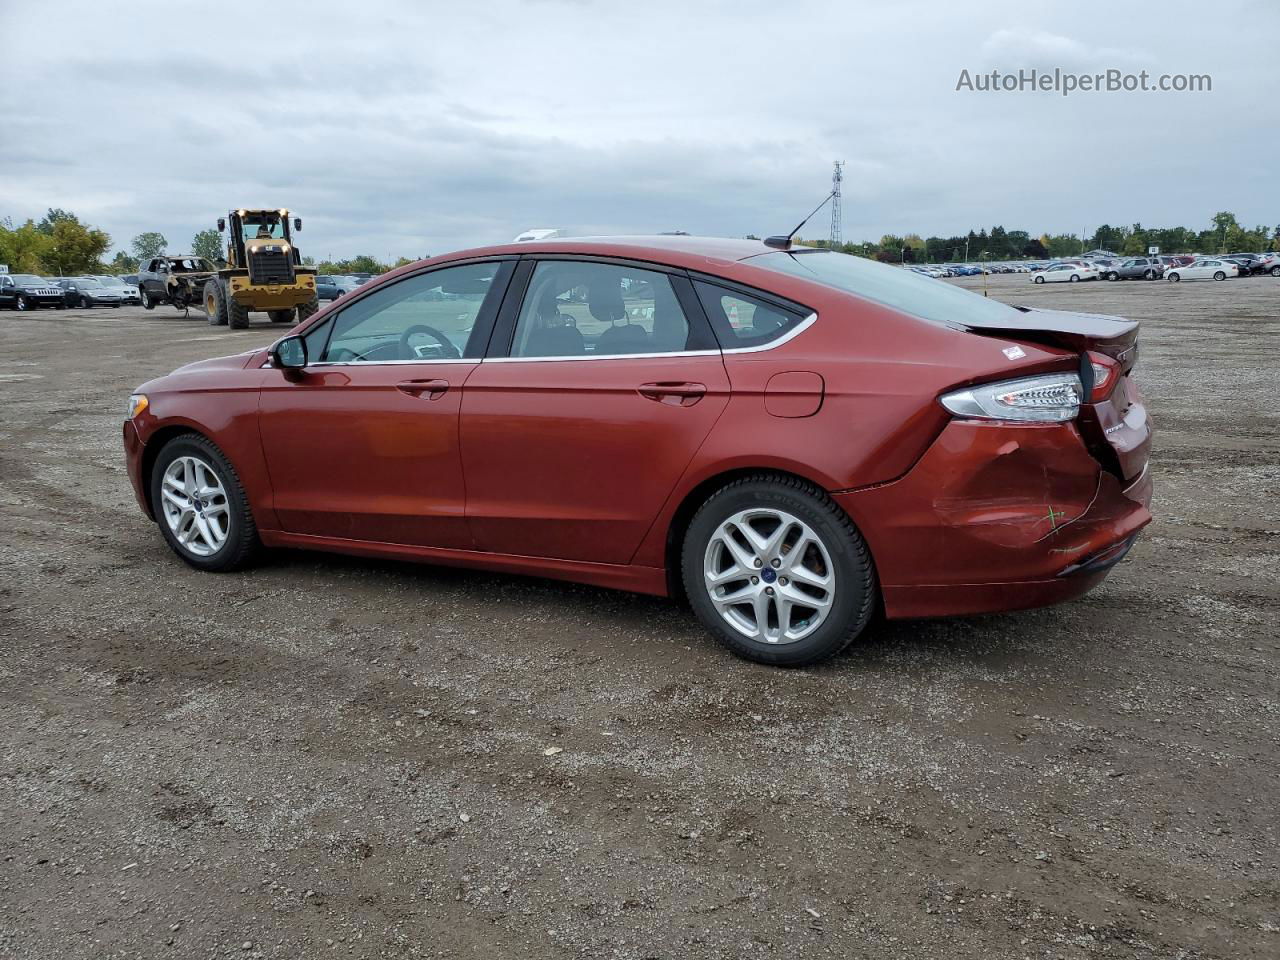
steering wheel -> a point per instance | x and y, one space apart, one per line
449 351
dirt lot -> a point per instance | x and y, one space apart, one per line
332 757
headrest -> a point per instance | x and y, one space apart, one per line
604 299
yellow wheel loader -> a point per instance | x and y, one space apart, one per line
263 271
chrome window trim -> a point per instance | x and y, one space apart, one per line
790 335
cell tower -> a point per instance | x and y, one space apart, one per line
837 237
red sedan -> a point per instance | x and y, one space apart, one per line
791 438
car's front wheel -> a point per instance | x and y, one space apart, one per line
778 572
1175 277
1113 275
201 507
145 298
1039 279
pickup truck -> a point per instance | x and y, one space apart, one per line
178 280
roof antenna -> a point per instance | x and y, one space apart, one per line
784 243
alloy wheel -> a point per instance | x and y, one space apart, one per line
769 575
194 504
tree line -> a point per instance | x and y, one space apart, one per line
61 244
1226 235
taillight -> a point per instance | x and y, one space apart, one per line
1053 397
1099 375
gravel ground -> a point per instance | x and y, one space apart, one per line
335 757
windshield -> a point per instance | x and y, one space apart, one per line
87 283
26 278
267 226
192 265
923 297
110 282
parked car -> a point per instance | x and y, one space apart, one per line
1271 264
348 283
1247 262
86 292
25 291
1207 269
1136 268
672 415
128 291
130 278
1065 272
327 288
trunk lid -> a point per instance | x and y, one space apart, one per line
1116 430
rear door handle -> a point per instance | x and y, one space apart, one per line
430 389
678 393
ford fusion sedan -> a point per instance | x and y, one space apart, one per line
88 292
792 439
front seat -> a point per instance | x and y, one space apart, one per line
604 300
553 335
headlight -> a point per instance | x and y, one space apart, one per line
137 403
1053 398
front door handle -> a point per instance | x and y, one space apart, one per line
677 393
430 389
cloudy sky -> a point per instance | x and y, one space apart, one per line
416 128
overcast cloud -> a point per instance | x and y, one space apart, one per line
419 128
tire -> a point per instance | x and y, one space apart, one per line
237 314
24 303
1175 277
1075 278
1113 276
145 296
307 309
281 316
240 541
1219 275
1039 279
215 305
850 569
1149 275
1275 271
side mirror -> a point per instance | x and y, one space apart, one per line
289 354
222 224
297 223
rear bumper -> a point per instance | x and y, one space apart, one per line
997 518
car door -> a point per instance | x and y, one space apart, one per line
602 382
8 291
362 443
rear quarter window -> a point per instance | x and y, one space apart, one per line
742 320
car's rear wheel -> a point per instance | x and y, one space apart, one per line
1113 275
777 572
1219 275
1149 275
1075 278
201 507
